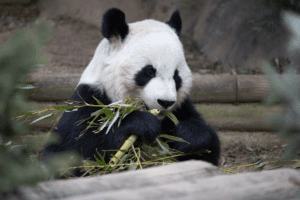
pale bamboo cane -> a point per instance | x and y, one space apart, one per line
127 144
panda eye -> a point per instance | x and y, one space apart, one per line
149 71
145 75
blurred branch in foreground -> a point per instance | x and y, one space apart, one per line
18 56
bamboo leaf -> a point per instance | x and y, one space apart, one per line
115 150
42 118
202 151
126 113
162 146
98 102
275 167
75 109
64 108
105 111
85 103
261 166
115 103
123 159
97 160
104 125
258 162
96 112
119 122
109 117
101 157
113 121
170 137
171 116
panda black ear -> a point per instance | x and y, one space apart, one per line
175 22
114 24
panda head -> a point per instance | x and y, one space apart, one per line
142 60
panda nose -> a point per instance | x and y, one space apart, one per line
164 103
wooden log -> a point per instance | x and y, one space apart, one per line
52 88
252 88
213 88
206 88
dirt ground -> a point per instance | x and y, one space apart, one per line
72 47
248 151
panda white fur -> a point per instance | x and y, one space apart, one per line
144 60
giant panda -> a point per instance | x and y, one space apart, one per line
142 60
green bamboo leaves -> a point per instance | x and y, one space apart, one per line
110 114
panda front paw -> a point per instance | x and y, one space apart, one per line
142 124
200 137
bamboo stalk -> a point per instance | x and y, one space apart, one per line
127 144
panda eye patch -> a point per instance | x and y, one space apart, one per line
149 70
177 80
145 75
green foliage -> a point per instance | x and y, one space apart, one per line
144 155
109 114
147 155
285 91
18 56
139 156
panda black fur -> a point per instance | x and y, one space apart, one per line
143 60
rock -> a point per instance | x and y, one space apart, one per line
242 34
185 180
